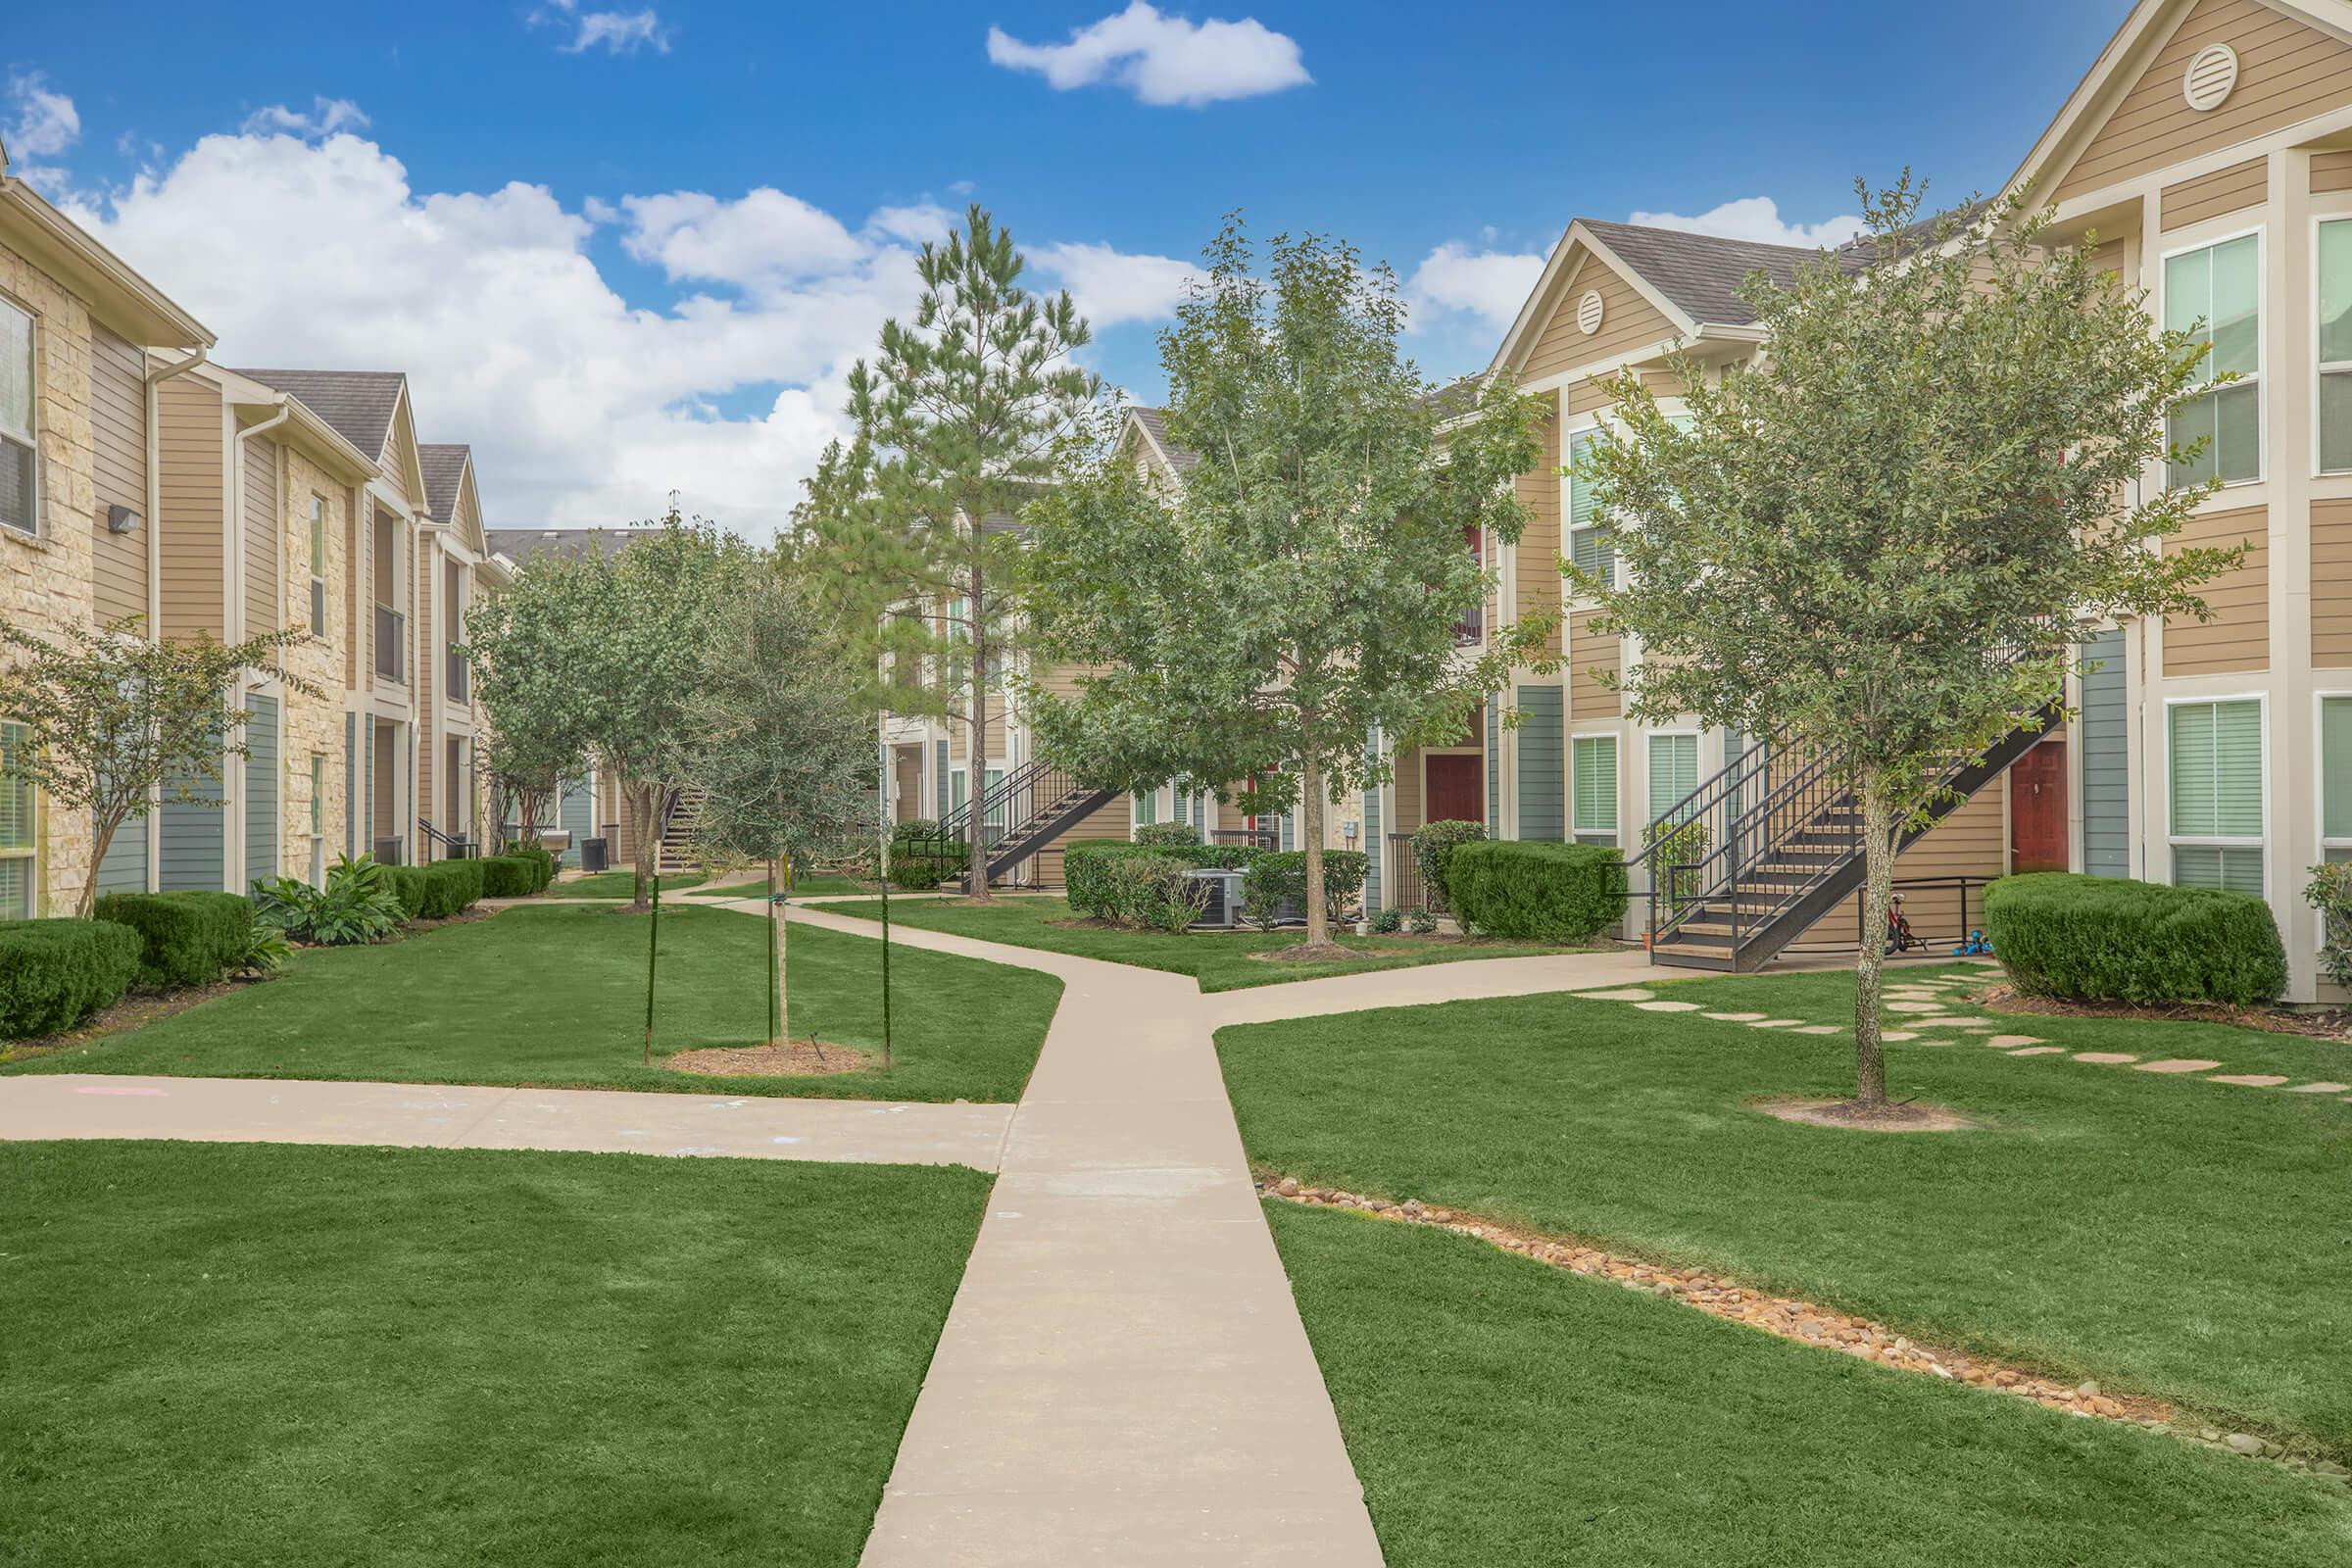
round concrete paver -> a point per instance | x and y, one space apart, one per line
1918 1007
2319 1089
1666 1007
1627 994
2041 1050
2177 1064
1735 1017
1775 1023
1961 1023
1896 1034
1818 1029
2252 1080
2105 1058
2002 1041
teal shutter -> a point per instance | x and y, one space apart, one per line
1542 803
262 776
1375 847
2105 728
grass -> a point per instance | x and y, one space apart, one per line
2161 1234
262 1354
621 884
1220 960
1499 1411
805 887
555 995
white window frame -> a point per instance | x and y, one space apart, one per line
1141 802
1698 762
1616 831
2319 780
1593 427
2321 370
33 437
30 852
322 519
2173 841
2262 318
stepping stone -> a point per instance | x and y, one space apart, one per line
1960 1023
1667 1006
1734 1017
2252 1080
1774 1023
1916 1007
1629 994
2105 1058
2002 1041
2319 1089
2041 1050
2177 1064
1896 1034
1818 1029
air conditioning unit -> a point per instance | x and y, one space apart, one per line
1224 909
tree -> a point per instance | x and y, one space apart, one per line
1304 582
957 421
782 748
1891 533
602 656
118 723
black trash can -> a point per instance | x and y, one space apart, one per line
593 853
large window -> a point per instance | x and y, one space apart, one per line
2336 346
2217 292
1673 772
2217 794
17 878
317 565
1592 782
1588 539
19 442
2336 778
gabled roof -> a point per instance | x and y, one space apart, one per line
117 295
1700 273
1152 424
444 465
358 404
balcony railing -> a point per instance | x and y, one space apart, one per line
1471 629
460 672
391 644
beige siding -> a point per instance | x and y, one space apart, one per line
1538 561
2330 172
1404 797
2238 636
2288 73
1628 321
1589 652
1106 821
2331 584
2225 190
2108 257
118 469
192 464
262 525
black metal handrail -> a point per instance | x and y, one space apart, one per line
1404 888
453 846
1007 817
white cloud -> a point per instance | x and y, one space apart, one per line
762 240
616 31
46 123
324 118
1162 59
1112 287
1756 218
1490 285
924 220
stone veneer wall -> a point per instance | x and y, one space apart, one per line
314 722
45 582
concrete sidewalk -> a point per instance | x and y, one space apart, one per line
1462 980
460 1116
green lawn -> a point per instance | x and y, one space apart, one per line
2161 1234
621 884
260 1353
555 995
807 887
1502 1412
1218 959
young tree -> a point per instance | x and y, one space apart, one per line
781 745
117 721
957 422
1304 582
1892 533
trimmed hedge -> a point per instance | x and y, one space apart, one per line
189 937
1433 851
55 973
437 891
407 882
2104 939
510 876
1167 835
1538 891
1087 876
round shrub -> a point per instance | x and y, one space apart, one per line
1538 891
2105 939
451 887
1164 834
189 937
1433 851
1276 884
510 876
55 973
1388 922
410 886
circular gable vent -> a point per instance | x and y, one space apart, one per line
1587 313
2210 77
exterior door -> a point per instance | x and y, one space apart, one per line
2038 810
1456 788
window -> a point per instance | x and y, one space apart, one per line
994 819
1593 776
1588 539
2217 794
1673 772
1147 808
2336 778
19 883
2336 346
958 788
317 794
317 565
2220 286
20 443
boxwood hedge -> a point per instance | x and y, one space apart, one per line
55 973
2105 939
189 937
1536 890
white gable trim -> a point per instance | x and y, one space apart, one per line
1560 274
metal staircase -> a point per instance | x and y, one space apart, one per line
1750 861
1029 808
674 852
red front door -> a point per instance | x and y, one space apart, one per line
1457 789
2038 810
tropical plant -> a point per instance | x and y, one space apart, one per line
358 905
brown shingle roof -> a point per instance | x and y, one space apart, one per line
444 465
1156 424
1700 273
357 403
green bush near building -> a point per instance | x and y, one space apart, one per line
55 973
1531 888
189 937
2105 939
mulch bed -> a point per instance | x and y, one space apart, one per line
2334 1025
801 1058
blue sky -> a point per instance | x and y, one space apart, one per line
634 249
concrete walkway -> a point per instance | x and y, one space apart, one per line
1462 980
457 1116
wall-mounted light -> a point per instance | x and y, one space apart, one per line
121 520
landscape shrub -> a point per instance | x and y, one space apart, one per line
2106 939
1277 882
1166 835
1536 891
451 887
1388 922
2329 892
55 973
1421 922
924 865
510 876
190 938
1141 885
357 905
1433 851
408 885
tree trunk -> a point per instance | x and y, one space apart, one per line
975 758
1878 886
645 816
775 948
783 939
102 839
1310 828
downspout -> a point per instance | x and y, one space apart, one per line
232 527
154 823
